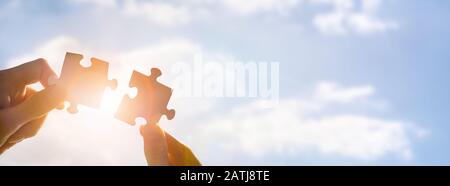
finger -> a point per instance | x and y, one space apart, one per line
152 133
22 94
29 92
155 146
31 128
27 131
14 131
5 100
18 95
180 154
33 71
33 107
5 147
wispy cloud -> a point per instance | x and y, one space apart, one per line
52 50
309 125
250 7
158 12
346 17
332 92
98 3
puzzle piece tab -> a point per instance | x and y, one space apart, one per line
84 85
150 102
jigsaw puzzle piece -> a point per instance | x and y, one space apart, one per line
150 102
85 85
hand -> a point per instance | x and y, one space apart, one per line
162 149
22 109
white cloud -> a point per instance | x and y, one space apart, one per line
158 12
98 3
53 51
249 7
165 13
345 17
332 92
365 24
301 126
164 51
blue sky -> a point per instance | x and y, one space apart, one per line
375 69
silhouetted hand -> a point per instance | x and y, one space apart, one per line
22 109
163 149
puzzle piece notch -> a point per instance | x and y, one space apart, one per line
150 102
85 85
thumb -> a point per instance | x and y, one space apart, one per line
33 107
180 154
155 146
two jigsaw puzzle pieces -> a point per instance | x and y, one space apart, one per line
84 85
150 102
